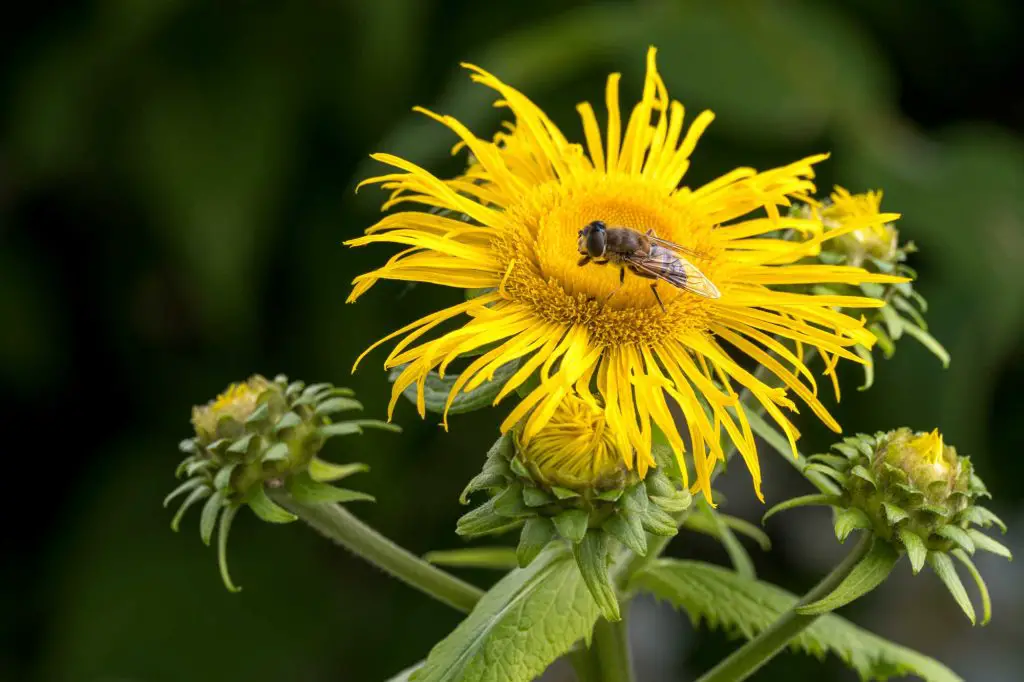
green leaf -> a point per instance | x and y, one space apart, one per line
182 489
849 520
406 675
483 521
195 496
572 524
869 367
986 601
276 452
987 544
436 390
334 405
502 558
658 522
222 546
982 517
535 497
868 574
509 502
208 518
289 420
738 555
627 529
592 558
535 536
222 481
958 536
928 341
740 606
860 472
305 489
916 550
894 513
528 619
816 500
355 427
322 470
943 567
267 509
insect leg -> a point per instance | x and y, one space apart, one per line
622 276
583 261
654 290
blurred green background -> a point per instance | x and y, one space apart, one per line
175 180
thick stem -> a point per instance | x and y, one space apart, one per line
338 524
748 658
611 649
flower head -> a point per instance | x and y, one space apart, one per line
877 240
260 435
599 330
913 491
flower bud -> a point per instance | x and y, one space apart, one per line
262 434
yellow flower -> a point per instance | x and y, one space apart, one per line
528 193
576 449
879 239
236 404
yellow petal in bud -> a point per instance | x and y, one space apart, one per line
880 240
576 449
233 405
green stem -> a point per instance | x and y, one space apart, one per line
611 649
748 658
338 524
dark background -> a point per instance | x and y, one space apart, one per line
175 182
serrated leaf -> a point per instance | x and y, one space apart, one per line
535 536
222 547
868 574
322 470
528 619
987 544
723 599
628 530
986 601
958 536
592 559
267 509
849 520
501 558
436 390
572 524
943 567
916 551
208 518
816 500
196 495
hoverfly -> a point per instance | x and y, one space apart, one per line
645 255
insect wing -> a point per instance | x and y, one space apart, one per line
673 246
664 265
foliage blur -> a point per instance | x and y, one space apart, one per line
175 182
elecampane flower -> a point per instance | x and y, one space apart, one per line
525 197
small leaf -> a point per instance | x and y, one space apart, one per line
849 520
289 420
509 502
592 558
483 521
958 536
657 522
868 574
501 558
304 489
222 481
634 499
837 462
816 500
267 509
222 547
528 619
928 341
334 405
628 530
744 527
986 601
485 480
197 494
322 470
535 497
893 513
943 567
536 534
674 504
837 476
564 493
983 517
260 414
182 489
198 465
355 427
860 472
869 367
610 495
208 518
572 524
242 445
276 453
916 550
987 544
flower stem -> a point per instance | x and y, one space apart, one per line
748 658
611 650
338 524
